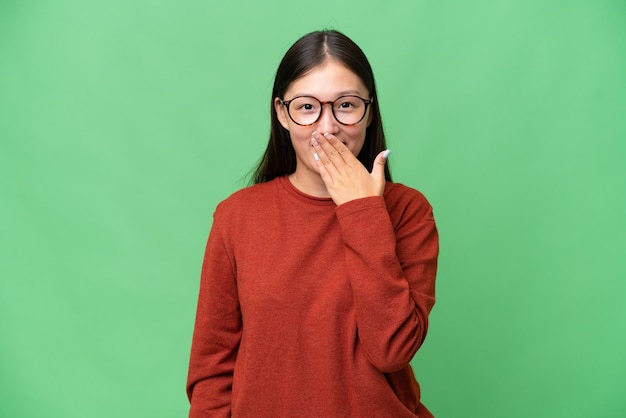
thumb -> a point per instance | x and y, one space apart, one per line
378 170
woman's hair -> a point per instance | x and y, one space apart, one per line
309 52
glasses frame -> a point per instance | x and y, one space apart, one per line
286 103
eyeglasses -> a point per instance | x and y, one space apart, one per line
306 110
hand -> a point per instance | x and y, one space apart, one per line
343 174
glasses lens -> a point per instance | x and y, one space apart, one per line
349 109
304 110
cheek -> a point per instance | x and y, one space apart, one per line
357 139
301 133
357 133
301 139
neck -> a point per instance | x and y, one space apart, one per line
309 182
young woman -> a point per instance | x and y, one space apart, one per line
317 280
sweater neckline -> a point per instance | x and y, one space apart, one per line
301 196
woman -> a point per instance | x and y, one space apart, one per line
317 280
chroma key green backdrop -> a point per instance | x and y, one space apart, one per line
123 124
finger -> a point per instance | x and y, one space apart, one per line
322 155
378 169
337 151
324 174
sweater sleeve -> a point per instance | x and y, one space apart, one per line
392 267
217 332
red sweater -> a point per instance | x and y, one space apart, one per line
308 309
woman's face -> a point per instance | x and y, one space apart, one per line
326 82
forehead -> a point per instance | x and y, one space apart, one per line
327 81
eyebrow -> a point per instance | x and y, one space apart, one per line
339 94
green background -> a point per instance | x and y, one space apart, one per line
123 124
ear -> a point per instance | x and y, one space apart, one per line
281 113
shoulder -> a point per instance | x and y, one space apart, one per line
251 195
245 200
405 201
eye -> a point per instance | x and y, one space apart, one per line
348 104
304 105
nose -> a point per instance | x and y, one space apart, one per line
327 121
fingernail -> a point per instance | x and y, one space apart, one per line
314 142
326 134
386 153
317 157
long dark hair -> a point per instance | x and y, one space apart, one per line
307 53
